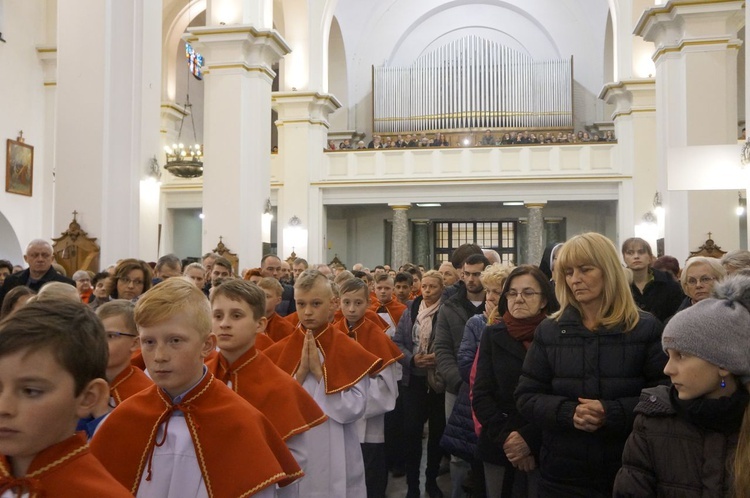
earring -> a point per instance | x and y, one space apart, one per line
723 383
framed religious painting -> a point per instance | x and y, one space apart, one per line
19 167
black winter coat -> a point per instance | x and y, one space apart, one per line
22 278
667 456
661 297
498 370
567 361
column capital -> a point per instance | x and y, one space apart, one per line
47 54
399 207
238 48
630 96
535 205
303 107
692 25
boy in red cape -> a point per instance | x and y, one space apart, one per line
335 371
387 308
383 388
53 357
124 379
277 328
238 317
188 435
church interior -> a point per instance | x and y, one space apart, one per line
173 126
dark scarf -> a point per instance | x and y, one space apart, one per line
522 329
722 415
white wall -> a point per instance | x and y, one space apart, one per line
22 89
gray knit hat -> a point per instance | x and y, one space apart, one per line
716 329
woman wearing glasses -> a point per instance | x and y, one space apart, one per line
509 444
698 279
585 369
132 278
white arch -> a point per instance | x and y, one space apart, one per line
174 28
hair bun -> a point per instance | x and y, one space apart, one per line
734 288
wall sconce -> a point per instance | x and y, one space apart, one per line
153 171
265 222
658 207
295 238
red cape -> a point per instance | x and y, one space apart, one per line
394 308
64 470
372 337
130 381
271 390
227 433
344 361
278 327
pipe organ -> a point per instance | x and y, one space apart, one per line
473 83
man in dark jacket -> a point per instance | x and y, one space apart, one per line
451 322
653 290
39 258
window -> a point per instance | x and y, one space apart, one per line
497 235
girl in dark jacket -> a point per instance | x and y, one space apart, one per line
585 369
685 436
508 444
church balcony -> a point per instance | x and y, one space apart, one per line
575 162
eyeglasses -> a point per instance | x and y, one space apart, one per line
692 282
111 336
128 281
526 293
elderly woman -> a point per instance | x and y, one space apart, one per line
509 444
698 279
132 278
585 370
734 261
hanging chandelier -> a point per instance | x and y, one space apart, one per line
187 162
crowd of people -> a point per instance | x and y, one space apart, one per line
487 139
596 373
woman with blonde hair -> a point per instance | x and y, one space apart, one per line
585 369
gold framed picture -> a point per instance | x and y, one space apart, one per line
19 167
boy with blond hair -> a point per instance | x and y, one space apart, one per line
277 328
189 435
335 371
238 308
382 390
53 357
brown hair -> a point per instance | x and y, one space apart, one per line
354 285
119 307
243 291
126 266
271 284
70 331
310 278
12 297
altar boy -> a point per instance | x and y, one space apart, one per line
189 435
335 371
382 390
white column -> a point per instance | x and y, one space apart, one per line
106 125
236 131
635 126
303 126
695 55
48 56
